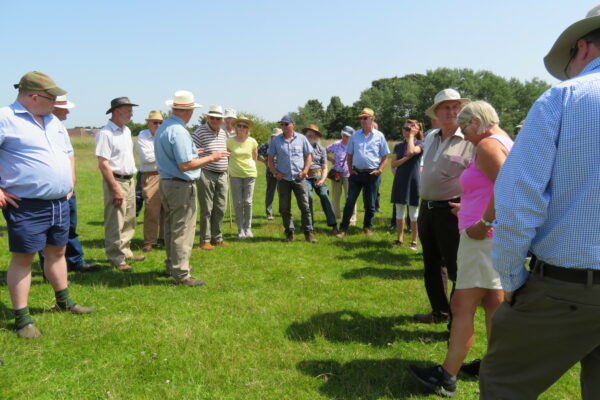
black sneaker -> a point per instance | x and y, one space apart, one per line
471 368
436 379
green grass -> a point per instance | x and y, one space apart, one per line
330 320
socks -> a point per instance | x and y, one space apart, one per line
22 317
63 300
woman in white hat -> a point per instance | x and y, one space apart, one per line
340 173
242 172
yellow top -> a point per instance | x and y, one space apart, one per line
241 164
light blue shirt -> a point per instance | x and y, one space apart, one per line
289 155
367 151
34 159
548 191
173 145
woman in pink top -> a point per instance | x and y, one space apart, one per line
477 282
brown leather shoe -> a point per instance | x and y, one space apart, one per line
222 243
29 331
368 231
430 318
190 281
137 258
125 267
341 234
289 237
74 309
310 237
147 247
206 246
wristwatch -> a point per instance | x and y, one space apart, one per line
486 223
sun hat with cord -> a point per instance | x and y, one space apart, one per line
244 120
442 96
560 54
62 102
183 100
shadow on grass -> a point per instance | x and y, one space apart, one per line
362 379
383 256
383 273
136 244
113 278
95 223
351 326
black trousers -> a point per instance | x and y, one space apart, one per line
438 231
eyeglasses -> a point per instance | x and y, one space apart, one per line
406 128
218 118
364 118
52 99
156 122
284 123
242 126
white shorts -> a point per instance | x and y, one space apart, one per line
474 261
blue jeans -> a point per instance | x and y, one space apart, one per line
323 194
74 252
368 184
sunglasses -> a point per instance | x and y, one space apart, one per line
156 122
364 118
406 128
284 123
242 126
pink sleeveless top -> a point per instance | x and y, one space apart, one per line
477 190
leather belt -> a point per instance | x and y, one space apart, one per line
315 172
587 277
364 171
175 179
440 203
126 177
150 173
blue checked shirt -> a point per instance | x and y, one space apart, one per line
289 155
548 191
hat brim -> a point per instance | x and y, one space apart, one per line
311 129
55 91
366 115
559 55
243 120
121 105
67 106
430 112
210 114
169 103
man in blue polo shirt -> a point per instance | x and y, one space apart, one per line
36 178
367 156
290 157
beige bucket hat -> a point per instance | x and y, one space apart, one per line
559 55
442 96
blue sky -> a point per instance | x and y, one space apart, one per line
265 57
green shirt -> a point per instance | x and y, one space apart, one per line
241 163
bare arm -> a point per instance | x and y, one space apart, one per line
110 180
382 164
73 177
307 162
349 161
200 162
271 163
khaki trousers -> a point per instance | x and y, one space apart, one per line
119 222
336 193
550 327
179 205
212 196
153 216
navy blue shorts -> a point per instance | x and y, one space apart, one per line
37 223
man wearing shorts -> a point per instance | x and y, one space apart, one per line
36 180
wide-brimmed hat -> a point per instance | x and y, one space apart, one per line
347 131
183 100
244 120
215 110
276 132
367 112
314 128
155 115
559 55
118 102
442 96
230 113
62 102
36 80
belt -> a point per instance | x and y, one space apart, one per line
176 179
364 171
315 172
440 203
127 177
587 277
150 173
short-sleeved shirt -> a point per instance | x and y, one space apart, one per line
34 160
443 162
115 145
173 146
241 163
289 154
339 157
205 138
367 151
319 157
144 146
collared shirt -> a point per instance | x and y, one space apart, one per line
548 191
145 148
368 151
289 155
34 160
205 138
115 145
339 157
319 157
173 146
443 162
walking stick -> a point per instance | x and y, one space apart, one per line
229 198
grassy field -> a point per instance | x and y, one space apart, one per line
330 320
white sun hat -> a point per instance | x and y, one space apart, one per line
183 100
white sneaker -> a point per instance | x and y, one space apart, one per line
249 233
241 234
413 246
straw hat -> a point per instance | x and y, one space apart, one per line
445 95
313 128
62 102
183 100
155 115
243 120
367 112
560 53
214 110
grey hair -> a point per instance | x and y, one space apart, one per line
483 111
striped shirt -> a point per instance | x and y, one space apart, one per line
547 193
205 138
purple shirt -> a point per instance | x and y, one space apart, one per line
339 157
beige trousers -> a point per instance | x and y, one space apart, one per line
179 208
119 222
153 217
336 193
